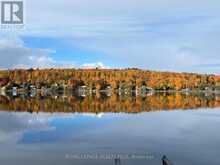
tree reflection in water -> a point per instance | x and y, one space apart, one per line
102 102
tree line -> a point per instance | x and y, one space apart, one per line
102 78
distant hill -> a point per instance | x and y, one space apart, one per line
102 78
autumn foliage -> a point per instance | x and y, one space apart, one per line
100 78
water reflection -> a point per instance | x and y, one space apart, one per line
185 137
109 103
41 137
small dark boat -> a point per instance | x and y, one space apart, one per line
117 161
166 161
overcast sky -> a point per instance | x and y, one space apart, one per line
173 35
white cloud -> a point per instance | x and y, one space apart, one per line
99 65
14 54
145 34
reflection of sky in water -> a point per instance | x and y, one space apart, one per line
65 128
186 137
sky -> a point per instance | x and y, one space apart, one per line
171 35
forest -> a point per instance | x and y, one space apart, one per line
130 79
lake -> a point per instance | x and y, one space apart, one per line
110 129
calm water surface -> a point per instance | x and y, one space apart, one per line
186 137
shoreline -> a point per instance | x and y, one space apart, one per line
69 91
